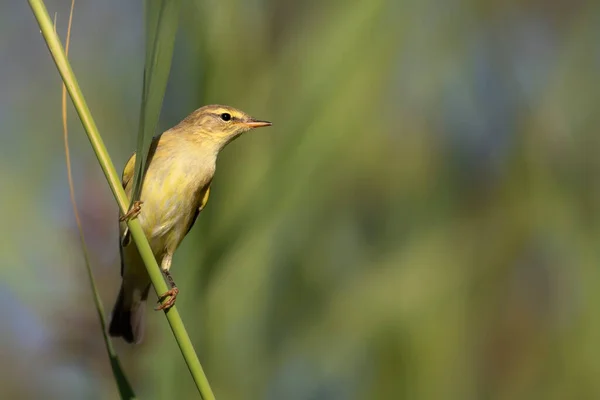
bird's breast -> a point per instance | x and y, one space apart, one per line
171 195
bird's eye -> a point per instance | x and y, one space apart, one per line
225 116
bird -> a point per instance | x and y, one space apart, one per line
178 175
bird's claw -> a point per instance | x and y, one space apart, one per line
136 207
172 295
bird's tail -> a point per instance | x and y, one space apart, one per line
127 318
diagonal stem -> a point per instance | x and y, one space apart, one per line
58 54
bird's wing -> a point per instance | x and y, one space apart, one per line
204 195
128 171
127 183
127 180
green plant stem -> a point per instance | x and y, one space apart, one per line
125 390
64 68
162 18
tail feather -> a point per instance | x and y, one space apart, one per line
127 319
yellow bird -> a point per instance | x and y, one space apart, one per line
180 168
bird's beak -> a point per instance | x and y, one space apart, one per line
254 123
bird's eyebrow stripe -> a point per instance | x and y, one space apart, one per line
218 113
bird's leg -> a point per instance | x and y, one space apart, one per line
173 291
136 207
171 294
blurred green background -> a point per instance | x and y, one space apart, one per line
422 221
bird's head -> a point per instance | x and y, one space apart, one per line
220 124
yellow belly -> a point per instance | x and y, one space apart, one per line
169 207
175 184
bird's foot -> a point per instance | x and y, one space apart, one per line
136 207
172 295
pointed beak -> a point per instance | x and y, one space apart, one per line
254 123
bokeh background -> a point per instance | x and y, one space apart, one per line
422 221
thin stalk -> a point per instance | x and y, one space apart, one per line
162 19
125 390
68 77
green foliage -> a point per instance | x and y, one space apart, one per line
162 19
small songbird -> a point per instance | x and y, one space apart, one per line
179 171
